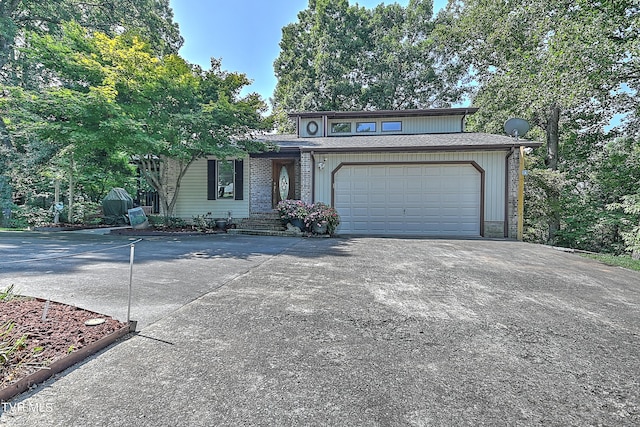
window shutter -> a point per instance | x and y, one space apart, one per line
239 180
212 184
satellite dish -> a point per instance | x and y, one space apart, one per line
516 127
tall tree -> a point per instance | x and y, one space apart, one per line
556 63
116 95
151 19
343 57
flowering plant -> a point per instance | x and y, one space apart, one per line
292 209
321 214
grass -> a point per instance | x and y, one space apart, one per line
624 261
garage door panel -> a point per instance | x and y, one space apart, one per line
395 211
395 199
409 199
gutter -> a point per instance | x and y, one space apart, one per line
464 116
416 149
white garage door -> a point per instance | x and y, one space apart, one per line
420 199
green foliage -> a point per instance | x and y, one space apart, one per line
564 68
151 19
321 214
120 99
84 212
630 205
167 222
8 294
624 261
204 223
30 216
343 57
8 343
542 190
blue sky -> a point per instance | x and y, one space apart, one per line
244 33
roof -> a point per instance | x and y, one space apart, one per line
386 113
390 143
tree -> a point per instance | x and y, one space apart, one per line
342 57
117 96
151 19
556 63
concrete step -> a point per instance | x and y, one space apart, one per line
262 221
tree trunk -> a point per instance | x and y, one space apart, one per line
553 137
553 124
157 172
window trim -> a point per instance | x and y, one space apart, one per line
333 126
220 190
375 126
391 130
213 170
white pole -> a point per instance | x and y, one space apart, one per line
133 247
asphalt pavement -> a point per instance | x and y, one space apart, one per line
247 330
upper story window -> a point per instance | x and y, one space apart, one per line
343 127
366 127
395 126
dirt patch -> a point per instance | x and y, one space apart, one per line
35 333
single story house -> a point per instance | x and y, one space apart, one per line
394 172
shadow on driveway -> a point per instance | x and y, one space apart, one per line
369 331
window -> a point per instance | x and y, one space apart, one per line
225 179
366 127
344 127
391 126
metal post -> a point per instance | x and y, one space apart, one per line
133 248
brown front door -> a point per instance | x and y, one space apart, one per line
283 181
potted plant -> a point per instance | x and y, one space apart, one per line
322 218
293 211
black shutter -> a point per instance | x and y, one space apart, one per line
239 180
212 184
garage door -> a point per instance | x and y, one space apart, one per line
415 199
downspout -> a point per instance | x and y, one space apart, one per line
313 177
464 116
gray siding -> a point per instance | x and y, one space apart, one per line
410 125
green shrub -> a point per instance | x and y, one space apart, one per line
159 221
204 223
29 216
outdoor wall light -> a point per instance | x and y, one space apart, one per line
322 164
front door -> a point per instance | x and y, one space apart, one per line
283 181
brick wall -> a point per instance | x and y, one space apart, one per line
306 192
512 193
261 182
260 185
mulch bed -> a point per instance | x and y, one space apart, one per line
61 333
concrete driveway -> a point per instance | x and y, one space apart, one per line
277 331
